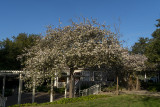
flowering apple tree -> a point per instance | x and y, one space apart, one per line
82 44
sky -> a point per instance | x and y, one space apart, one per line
135 18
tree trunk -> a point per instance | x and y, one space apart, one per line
20 89
117 87
159 76
145 77
33 90
65 92
51 94
71 83
137 84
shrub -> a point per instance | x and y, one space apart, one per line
59 90
43 88
109 88
153 87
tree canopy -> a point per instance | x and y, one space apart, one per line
84 44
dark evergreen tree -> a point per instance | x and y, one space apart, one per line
10 49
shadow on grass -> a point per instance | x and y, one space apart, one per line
150 101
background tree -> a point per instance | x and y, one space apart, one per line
151 49
140 46
11 48
133 65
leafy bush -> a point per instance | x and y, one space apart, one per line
59 90
8 92
153 87
109 88
64 100
43 88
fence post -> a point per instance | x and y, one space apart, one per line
33 89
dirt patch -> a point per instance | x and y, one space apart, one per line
141 92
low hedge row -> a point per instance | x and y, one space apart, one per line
64 100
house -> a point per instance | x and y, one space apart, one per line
85 76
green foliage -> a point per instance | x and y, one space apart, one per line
150 86
153 49
152 89
65 100
140 46
59 90
109 89
10 49
43 88
150 48
8 92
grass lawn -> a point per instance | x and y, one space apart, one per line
114 101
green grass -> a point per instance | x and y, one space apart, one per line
114 101
64 101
